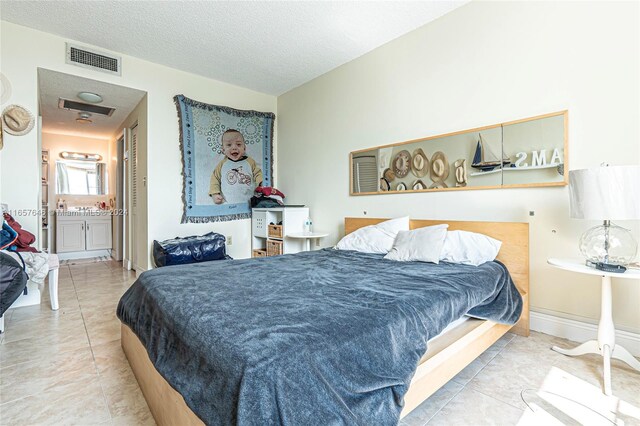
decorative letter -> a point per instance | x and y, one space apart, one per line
539 158
521 156
555 158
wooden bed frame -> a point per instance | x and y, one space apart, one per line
447 354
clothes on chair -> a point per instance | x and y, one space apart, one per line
36 265
25 238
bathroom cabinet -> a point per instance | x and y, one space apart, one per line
83 232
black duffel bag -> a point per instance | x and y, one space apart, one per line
183 250
13 280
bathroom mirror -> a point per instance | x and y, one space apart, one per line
81 177
523 153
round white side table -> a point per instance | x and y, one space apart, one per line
606 344
308 236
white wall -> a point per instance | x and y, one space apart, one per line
484 63
23 50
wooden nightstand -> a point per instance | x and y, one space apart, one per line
605 345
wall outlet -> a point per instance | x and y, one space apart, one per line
229 240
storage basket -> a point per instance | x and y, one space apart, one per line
274 248
275 231
259 253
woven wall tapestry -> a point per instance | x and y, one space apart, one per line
226 153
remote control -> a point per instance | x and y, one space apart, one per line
607 267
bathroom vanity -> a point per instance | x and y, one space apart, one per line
83 233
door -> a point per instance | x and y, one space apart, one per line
70 236
118 232
133 218
98 234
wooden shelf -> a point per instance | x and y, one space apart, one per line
513 169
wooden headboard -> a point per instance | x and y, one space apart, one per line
514 252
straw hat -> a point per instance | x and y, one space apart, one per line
461 172
389 175
384 185
401 187
401 164
418 185
439 167
17 120
419 163
5 89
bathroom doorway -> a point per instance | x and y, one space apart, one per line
88 182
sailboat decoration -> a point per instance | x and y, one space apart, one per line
484 159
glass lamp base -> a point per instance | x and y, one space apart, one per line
608 243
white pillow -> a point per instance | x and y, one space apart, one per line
422 244
374 238
469 248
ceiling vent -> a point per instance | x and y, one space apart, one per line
93 59
82 107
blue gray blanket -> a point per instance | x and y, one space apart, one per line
315 338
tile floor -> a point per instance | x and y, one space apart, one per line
67 367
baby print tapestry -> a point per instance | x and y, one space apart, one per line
226 154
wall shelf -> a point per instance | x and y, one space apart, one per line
516 169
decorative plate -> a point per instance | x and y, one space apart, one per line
402 164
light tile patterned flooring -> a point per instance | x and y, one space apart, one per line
67 367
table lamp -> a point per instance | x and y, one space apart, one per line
606 193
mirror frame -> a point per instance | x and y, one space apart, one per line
564 182
103 180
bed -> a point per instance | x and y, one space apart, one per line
294 381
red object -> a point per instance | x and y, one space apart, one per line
25 238
268 190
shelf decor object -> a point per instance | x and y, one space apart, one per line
530 152
606 193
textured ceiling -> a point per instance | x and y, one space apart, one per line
270 46
54 85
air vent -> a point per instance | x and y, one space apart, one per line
92 59
81 106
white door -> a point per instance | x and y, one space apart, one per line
133 218
70 236
118 240
98 234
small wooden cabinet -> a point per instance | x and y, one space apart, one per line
270 227
82 232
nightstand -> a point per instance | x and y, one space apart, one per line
606 343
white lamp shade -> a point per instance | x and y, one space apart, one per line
605 193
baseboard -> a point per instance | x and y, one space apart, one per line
580 331
83 254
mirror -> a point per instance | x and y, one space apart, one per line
522 153
81 178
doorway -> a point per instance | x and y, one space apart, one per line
87 126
